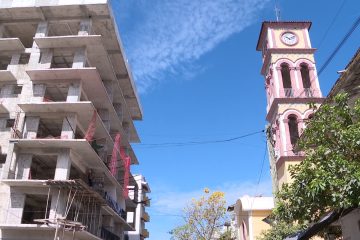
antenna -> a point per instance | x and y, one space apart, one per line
277 11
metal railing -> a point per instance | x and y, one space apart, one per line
308 92
289 92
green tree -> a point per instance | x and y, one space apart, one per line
279 231
203 218
227 235
329 177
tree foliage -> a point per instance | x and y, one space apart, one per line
203 218
329 177
279 231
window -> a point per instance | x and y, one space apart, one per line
2 158
293 129
17 89
24 58
304 69
286 79
10 123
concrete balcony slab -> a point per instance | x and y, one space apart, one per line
11 45
7 76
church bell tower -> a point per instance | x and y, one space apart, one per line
291 83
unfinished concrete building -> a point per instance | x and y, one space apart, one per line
67 105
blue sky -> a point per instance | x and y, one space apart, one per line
198 75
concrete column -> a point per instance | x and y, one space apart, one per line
119 110
46 58
8 170
14 61
38 92
105 117
16 208
63 165
69 127
79 58
109 85
85 27
2 29
74 92
23 166
58 203
41 31
31 127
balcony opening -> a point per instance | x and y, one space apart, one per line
49 128
293 129
4 62
286 79
17 90
64 28
305 76
62 59
56 93
24 58
24 31
85 209
43 167
75 173
35 208
108 235
2 159
10 123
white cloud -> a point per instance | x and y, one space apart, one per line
166 201
171 35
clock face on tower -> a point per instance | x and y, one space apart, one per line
289 38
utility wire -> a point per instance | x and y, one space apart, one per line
332 23
338 47
180 144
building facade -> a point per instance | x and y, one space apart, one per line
248 214
138 193
67 106
291 84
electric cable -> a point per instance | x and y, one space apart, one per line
332 23
191 143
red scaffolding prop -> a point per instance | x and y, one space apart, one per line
126 160
126 176
126 163
114 156
89 136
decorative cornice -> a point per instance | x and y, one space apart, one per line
275 103
284 51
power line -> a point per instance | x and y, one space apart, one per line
332 23
338 47
191 143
